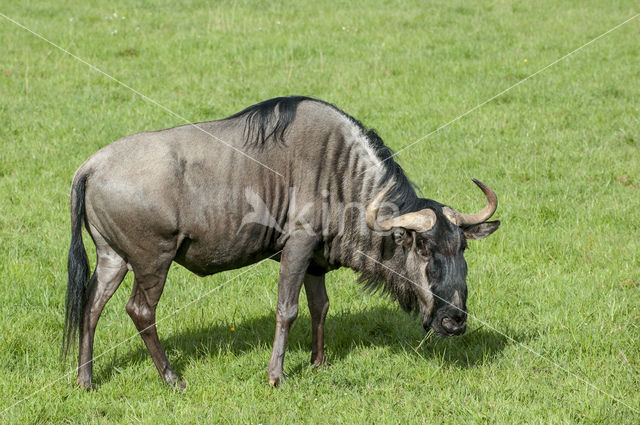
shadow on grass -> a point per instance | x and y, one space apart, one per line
345 333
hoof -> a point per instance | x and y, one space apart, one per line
319 361
173 381
177 385
85 384
274 381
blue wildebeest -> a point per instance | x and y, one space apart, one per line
288 185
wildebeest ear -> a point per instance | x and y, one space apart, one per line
401 236
482 230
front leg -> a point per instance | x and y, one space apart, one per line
318 306
294 261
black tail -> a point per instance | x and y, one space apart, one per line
78 267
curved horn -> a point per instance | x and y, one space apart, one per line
371 215
483 215
420 221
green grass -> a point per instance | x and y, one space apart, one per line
562 150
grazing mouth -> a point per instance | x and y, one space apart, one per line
426 324
445 327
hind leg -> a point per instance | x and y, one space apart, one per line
147 289
109 273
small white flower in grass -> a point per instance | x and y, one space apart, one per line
114 32
278 22
70 19
115 14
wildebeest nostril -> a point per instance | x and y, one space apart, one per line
452 326
448 323
459 316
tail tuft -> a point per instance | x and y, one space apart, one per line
78 267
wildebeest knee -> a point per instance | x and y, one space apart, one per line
325 307
139 312
288 314
319 308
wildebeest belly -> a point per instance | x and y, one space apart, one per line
212 253
201 260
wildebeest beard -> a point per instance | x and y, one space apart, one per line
378 278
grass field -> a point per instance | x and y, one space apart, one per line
560 278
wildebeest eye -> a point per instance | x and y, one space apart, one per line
423 251
434 270
422 248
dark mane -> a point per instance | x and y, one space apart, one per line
260 116
260 126
404 194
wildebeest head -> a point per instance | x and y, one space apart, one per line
429 265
